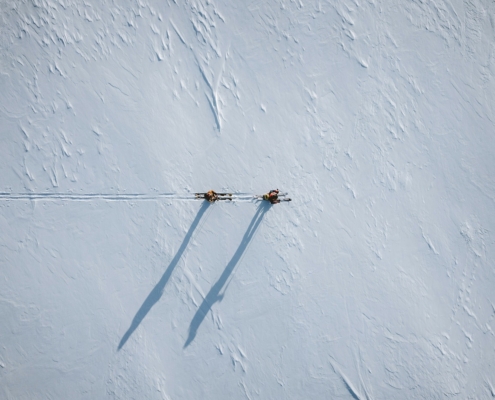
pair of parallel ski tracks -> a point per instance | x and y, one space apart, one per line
115 197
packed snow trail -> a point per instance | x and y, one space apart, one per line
117 197
93 196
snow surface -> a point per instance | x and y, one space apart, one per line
376 282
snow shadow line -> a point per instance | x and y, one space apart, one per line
157 291
214 294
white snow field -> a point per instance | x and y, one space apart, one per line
376 282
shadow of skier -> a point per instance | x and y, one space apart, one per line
157 291
214 294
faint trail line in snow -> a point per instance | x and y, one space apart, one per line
111 197
348 384
213 88
214 294
89 196
157 291
179 35
357 358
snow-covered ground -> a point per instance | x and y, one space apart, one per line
377 280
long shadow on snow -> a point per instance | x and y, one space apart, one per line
157 291
214 294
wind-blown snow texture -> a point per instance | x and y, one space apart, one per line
376 282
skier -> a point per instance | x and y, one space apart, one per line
272 196
211 196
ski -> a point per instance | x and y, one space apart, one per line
218 194
260 196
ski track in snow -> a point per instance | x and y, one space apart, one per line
376 281
114 197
